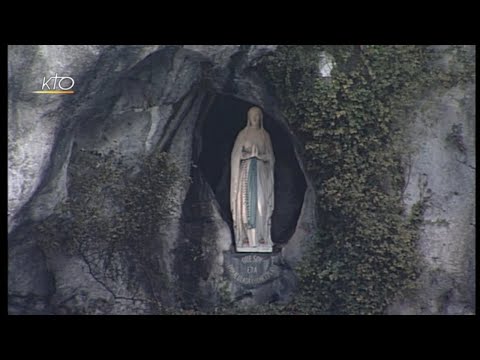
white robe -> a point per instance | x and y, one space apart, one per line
252 142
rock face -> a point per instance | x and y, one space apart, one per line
190 101
133 101
39 126
442 139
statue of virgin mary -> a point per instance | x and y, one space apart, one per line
251 185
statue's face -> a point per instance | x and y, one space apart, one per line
255 119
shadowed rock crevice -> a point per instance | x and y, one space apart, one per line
133 102
225 119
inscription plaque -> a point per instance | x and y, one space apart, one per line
251 270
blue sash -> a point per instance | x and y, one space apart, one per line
252 194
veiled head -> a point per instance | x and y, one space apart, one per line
255 117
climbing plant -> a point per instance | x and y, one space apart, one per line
350 126
113 221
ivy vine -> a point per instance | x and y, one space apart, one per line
113 221
351 126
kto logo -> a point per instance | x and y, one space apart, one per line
57 85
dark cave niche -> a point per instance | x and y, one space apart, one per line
225 118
